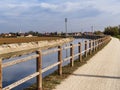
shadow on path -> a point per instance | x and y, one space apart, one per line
97 76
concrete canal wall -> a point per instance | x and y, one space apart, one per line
12 50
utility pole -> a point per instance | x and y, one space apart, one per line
66 35
92 29
20 29
66 27
82 34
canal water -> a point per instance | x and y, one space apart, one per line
14 73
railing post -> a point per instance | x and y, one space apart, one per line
39 69
90 47
98 43
60 60
102 42
72 55
0 74
80 51
85 48
93 45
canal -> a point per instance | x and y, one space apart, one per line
14 73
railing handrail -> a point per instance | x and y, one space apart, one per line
93 45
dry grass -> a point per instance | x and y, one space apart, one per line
25 39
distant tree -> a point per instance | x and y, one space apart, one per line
119 29
98 33
13 34
17 34
62 33
113 31
31 32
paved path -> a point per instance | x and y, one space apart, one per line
102 72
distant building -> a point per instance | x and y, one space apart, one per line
88 33
29 35
22 34
6 35
76 33
47 33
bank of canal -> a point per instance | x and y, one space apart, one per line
16 72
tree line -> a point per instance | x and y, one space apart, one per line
113 31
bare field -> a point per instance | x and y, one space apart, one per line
25 39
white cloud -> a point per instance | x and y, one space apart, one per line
43 13
2 21
49 6
108 6
70 7
66 6
59 7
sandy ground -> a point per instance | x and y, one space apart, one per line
102 72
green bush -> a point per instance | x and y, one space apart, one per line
113 31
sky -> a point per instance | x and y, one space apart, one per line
48 15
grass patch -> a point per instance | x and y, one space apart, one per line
49 82
118 36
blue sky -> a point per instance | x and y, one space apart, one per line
48 15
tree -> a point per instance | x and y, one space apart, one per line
113 31
119 29
98 33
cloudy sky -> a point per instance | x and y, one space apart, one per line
49 15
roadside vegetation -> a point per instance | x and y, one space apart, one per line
118 36
113 31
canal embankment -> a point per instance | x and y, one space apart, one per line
17 49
